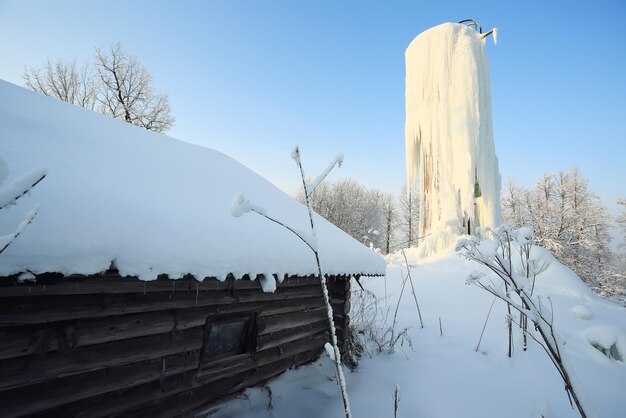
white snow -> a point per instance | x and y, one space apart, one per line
268 283
448 134
147 203
581 312
443 376
9 193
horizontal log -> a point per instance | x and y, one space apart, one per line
200 397
61 391
139 399
24 310
25 371
111 283
268 325
19 402
26 340
269 341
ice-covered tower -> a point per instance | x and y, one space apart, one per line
450 152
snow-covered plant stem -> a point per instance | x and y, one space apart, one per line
417 305
485 324
496 256
396 400
14 190
308 191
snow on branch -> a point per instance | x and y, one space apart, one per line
6 240
241 206
311 186
20 186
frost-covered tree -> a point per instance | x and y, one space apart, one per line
64 81
125 90
11 192
408 217
621 218
118 85
354 208
390 218
568 219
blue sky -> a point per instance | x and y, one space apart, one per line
252 78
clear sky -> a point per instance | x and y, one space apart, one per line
252 78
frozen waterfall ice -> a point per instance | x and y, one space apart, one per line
450 151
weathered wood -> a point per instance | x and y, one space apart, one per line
20 402
23 310
24 371
103 346
276 339
133 401
26 340
281 322
112 283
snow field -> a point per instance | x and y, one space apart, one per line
443 376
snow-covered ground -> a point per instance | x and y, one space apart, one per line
443 376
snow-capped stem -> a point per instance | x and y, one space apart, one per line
6 240
20 186
310 188
396 400
485 324
329 310
417 305
284 225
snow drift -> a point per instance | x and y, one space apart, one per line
147 204
449 139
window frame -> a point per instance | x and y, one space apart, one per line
247 342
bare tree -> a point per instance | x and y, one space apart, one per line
408 217
125 90
389 221
119 87
64 81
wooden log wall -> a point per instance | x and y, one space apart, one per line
99 346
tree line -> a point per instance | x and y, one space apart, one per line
116 84
567 217
377 219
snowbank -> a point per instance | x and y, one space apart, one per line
146 203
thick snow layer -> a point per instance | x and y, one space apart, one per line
448 134
148 204
443 376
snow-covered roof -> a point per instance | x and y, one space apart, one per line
148 203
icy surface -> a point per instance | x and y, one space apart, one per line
148 203
448 134
443 376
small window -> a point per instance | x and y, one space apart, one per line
227 336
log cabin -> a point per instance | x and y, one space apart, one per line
134 292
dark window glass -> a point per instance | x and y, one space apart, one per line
226 337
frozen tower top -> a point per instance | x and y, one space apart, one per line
449 137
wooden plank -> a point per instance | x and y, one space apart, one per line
134 401
23 371
24 310
27 340
111 283
267 325
23 401
276 339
